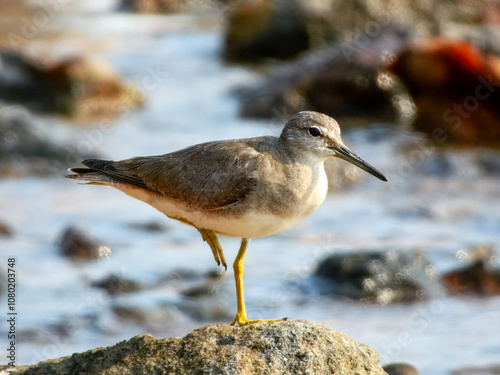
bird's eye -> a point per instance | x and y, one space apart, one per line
314 131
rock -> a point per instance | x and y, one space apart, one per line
457 163
483 370
476 279
23 82
26 146
400 369
149 314
293 347
262 29
114 284
488 161
199 291
153 6
455 90
152 226
82 87
342 81
77 243
379 277
5 230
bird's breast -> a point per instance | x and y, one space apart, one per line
289 197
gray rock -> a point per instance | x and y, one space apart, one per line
22 81
151 226
380 277
77 243
115 284
293 347
26 147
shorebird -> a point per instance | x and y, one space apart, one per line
246 188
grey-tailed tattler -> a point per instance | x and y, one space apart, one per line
244 188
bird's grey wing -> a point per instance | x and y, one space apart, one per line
208 176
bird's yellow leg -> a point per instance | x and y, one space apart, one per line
241 315
212 240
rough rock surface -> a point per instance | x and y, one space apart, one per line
293 347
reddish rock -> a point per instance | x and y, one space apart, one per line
5 230
456 89
476 279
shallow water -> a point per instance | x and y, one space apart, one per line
174 60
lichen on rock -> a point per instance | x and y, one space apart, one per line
291 347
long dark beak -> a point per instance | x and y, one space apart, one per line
346 154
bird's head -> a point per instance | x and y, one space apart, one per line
318 135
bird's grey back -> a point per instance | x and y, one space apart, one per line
206 176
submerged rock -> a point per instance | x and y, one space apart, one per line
293 347
380 277
152 226
114 284
77 243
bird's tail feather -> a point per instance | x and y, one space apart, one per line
90 176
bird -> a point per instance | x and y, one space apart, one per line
246 188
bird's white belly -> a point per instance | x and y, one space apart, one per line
251 224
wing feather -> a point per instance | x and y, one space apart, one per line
207 176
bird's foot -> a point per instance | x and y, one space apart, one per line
212 240
242 320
